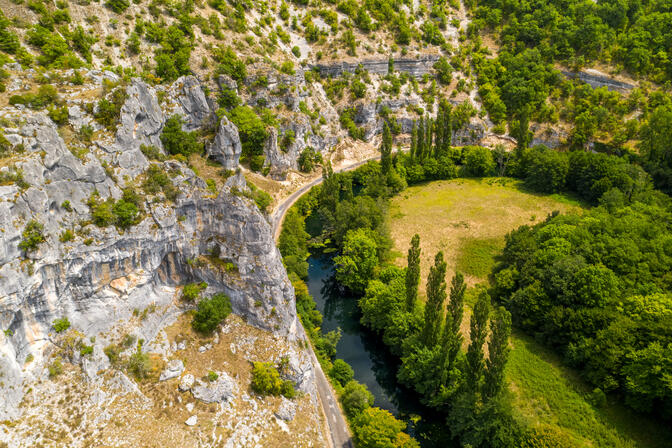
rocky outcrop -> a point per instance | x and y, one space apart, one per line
226 148
221 390
596 79
192 104
416 67
223 240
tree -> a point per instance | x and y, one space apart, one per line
356 398
436 296
211 312
498 349
358 259
377 428
420 143
478 161
477 332
414 141
386 150
341 372
413 273
547 170
266 381
444 72
177 141
451 339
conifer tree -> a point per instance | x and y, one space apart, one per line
438 132
420 144
413 273
477 332
414 140
386 150
429 123
498 349
436 296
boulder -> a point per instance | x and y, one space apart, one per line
173 370
186 382
286 411
220 391
189 95
226 148
191 421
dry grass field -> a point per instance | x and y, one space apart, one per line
467 219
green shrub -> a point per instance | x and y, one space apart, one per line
358 88
252 130
478 161
86 350
66 205
59 114
229 64
192 291
287 67
113 353
60 325
139 364
45 96
109 110
228 98
55 368
156 181
67 235
266 381
296 51
348 123
118 6
211 312
126 214
212 376
177 141
32 236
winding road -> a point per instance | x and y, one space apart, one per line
338 427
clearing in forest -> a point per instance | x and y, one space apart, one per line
468 219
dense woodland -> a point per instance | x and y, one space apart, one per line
594 286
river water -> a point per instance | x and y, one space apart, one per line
368 356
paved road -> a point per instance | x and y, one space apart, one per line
278 214
338 428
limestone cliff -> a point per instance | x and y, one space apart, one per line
101 276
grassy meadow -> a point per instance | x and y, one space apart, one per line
468 219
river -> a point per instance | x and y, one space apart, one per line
368 356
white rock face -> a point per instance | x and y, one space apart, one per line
100 283
287 410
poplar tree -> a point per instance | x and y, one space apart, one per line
413 273
498 349
477 332
414 140
420 144
428 137
447 128
455 311
438 132
386 149
436 296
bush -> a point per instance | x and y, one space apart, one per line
139 364
211 312
109 110
287 67
156 181
55 368
212 376
252 130
126 214
296 51
32 236
341 372
177 141
266 381
60 325
45 96
67 235
229 64
228 98
192 291
118 6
